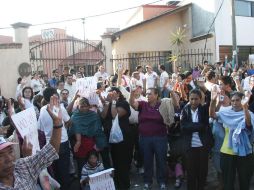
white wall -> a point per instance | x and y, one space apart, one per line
223 29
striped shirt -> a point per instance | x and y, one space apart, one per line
195 141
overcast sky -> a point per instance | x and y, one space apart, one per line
42 11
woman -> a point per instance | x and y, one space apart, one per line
36 84
235 157
197 139
153 137
121 152
25 101
126 79
86 132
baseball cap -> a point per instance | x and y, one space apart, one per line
4 143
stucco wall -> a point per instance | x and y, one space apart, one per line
152 36
10 60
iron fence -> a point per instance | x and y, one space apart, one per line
187 59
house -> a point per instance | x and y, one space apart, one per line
206 37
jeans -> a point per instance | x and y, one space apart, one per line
164 93
157 146
62 166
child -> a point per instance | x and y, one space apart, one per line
92 166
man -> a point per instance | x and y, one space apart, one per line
65 74
60 86
36 84
64 97
151 77
164 78
70 86
61 166
23 175
54 79
142 78
101 73
82 72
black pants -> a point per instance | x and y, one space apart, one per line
243 165
122 156
138 156
62 166
197 168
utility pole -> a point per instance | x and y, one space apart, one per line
234 45
83 21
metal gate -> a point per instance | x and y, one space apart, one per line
47 55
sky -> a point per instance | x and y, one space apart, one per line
43 11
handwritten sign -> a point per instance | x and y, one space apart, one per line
102 180
87 88
26 124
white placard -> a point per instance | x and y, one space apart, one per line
251 59
26 124
87 88
102 180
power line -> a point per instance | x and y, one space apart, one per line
211 28
91 16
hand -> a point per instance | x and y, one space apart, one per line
54 104
27 148
114 95
76 146
21 102
76 96
11 110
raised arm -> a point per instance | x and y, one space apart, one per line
134 104
212 106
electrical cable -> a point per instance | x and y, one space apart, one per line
211 29
91 16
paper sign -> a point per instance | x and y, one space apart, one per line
26 124
87 88
251 59
102 180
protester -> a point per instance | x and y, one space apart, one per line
37 84
151 78
101 74
164 81
55 78
70 86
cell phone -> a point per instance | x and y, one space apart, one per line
201 79
221 98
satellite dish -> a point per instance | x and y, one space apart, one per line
25 69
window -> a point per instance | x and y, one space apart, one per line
244 8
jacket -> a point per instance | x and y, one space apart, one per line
202 127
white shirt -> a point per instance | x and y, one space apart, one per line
163 78
133 119
150 79
71 88
45 123
104 75
195 142
36 85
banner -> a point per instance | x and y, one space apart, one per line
26 124
102 180
87 88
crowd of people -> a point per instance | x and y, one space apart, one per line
181 119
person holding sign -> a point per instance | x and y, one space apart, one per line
92 166
24 173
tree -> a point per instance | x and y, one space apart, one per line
177 40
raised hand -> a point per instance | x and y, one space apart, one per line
54 110
27 148
11 110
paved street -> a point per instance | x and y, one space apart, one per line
137 181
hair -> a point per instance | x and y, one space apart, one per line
125 71
182 76
69 75
92 153
162 67
113 88
84 101
54 71
19 80
48 92
37 101
210 75
188 73
226 80
138 67
32 93
155 91
99 84
205 62
238 94
197 92
64 90
58 82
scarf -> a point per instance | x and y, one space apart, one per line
239 136
88 124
